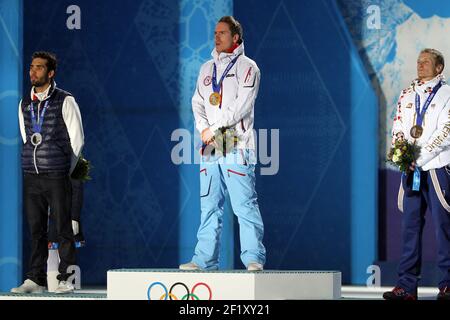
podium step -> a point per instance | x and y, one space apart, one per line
52 296
175 284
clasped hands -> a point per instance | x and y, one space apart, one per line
400 136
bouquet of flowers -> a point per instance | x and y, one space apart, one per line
82 169
402 154
225 140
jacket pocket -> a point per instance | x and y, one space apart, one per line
233 172
205 183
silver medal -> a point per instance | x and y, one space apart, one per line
36 139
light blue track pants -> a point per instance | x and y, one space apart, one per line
234 173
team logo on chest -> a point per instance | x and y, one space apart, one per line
409 105
207 81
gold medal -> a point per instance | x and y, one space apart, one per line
416 131
215 98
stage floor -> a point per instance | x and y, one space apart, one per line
348 292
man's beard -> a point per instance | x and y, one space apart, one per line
40 82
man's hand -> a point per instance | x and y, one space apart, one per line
412 166
207 136
75 227
400 136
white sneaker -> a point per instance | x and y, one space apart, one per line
189 266
28 286
64 287
255 266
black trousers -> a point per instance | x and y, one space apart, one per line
41 191
75 212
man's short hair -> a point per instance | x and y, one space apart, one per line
437 56
235 27
49 57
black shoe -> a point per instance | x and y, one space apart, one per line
444 294
399 294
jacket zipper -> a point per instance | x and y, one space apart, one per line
38 119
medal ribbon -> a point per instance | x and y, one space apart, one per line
37 125
416 180
216 86
421 115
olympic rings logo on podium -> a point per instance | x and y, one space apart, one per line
171 296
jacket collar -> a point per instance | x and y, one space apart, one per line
224 57
422 87
43 95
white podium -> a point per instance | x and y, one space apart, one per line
174 284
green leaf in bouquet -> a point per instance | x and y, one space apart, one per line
82 170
